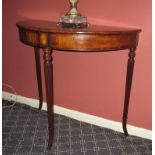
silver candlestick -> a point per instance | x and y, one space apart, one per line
73 19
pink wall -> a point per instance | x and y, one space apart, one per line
88 82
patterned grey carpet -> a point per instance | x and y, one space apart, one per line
25 132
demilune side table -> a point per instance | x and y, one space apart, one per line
48 36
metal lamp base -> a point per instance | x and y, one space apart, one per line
73 19
73 22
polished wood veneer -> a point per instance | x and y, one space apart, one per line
49 36
45 34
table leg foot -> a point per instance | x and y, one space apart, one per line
48 71
125 127
130 68
50 141
38 73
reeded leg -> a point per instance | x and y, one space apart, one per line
38 73
129 75
48 71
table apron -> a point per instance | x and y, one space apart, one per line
79 42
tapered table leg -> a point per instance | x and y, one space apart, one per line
38 73
48 71
130 68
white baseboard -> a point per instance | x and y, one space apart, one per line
117 126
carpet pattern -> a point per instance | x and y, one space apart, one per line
25 132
